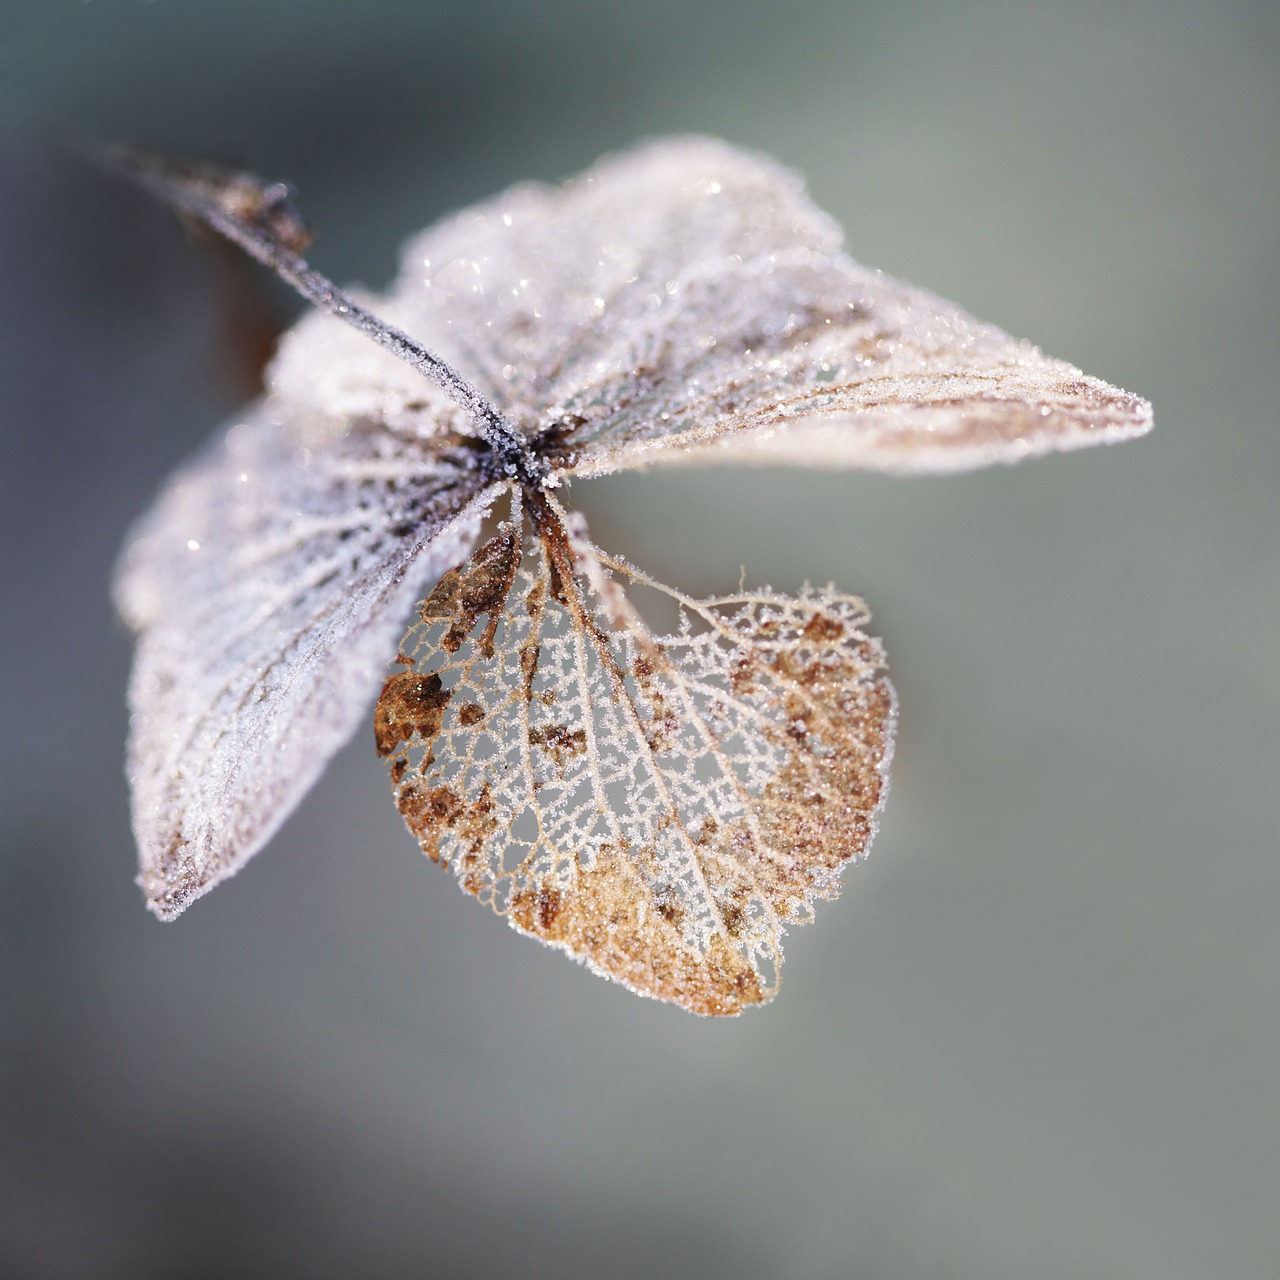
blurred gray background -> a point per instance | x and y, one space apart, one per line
1040 1034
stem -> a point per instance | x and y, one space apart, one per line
258 217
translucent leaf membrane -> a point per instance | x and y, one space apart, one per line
267 586
660 807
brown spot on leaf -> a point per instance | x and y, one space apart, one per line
528 668
733 915
670 910
823 629
432 812
409 704
745 672
478 587
662 727
548 904
560 742
470 714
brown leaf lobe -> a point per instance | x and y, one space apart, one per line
656 806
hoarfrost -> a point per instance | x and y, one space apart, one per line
661 807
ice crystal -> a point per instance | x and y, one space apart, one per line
658 806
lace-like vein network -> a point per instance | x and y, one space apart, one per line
659 807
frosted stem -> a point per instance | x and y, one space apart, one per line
259 217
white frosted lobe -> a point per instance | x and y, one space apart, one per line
689 294
662 808
268 586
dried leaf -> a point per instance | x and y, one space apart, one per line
268 586
660 807
689 294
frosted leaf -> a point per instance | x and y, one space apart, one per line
267 587
659 807
686 302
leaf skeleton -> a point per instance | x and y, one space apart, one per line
662 807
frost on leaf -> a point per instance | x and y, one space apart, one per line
661 807
686 301
268 586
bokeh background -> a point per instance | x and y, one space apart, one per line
1040 1034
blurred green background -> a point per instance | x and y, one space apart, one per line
1039 1036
